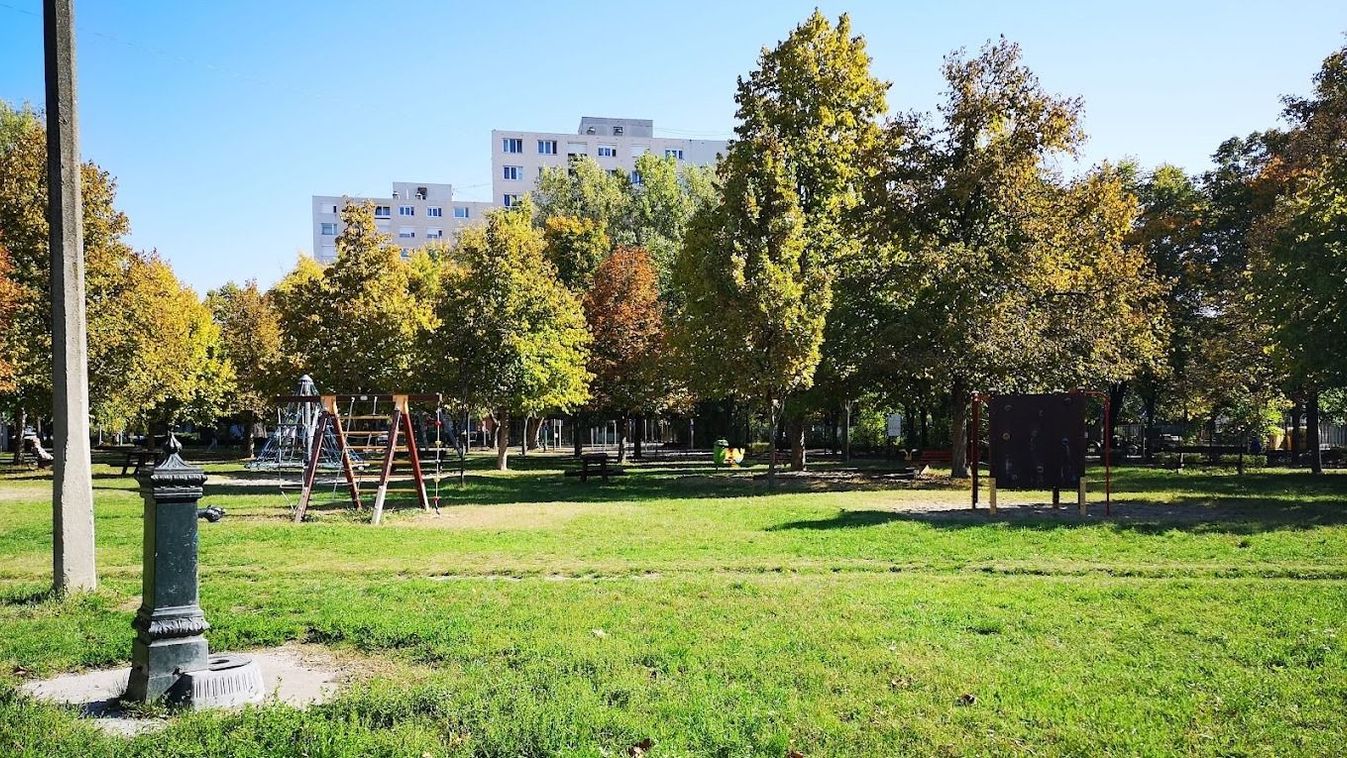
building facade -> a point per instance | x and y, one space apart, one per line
417 214
420 213
518 157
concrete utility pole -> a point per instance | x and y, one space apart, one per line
72 477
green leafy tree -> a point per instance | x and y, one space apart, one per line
574 246
514 337
355 325
756 295
250 331
815 96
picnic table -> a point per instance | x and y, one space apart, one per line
597 462
136 458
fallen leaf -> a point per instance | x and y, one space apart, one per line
640 748
794 754
598 633
967 698
21 671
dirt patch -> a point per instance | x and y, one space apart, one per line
512 516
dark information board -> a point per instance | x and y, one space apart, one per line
1037 442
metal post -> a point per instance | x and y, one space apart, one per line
170 622
170 658
72 471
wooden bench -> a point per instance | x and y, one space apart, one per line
936 456
598 461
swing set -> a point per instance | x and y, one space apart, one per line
366 425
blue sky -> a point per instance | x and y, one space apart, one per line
221 119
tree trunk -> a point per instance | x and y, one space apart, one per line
846 431
1116 394
909 428
622 440
1312 431
795 428
958 429
577 435
925 430
502 419
772 416
20 418
249 444
1148 437
640 435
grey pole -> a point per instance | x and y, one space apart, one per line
72 478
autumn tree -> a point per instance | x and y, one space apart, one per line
1016 279
151 352
513 337
1299 243
250 330
756 294
628 356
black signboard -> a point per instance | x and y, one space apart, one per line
1037 441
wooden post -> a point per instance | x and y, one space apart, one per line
72 501
330 405
387 469
415 456
1081 497
991 494
311 467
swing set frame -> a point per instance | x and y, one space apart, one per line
399 423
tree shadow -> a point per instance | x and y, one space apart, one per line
1192 515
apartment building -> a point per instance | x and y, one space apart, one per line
417 214
518 157
420 213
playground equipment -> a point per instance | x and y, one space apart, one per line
345 427
1037 442
290 444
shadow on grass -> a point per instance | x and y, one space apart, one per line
1192 515
29 597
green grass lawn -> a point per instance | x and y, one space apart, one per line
537 615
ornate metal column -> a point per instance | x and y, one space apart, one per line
170 658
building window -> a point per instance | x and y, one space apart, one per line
513 173
329 229
434 211
460 211
434 234
617 131
382 211
327 208
406 210
638 150
406 233
509 201
329 252
547 147
635 177
673 152
512 145
577 149
607 151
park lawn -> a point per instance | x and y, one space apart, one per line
541 616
